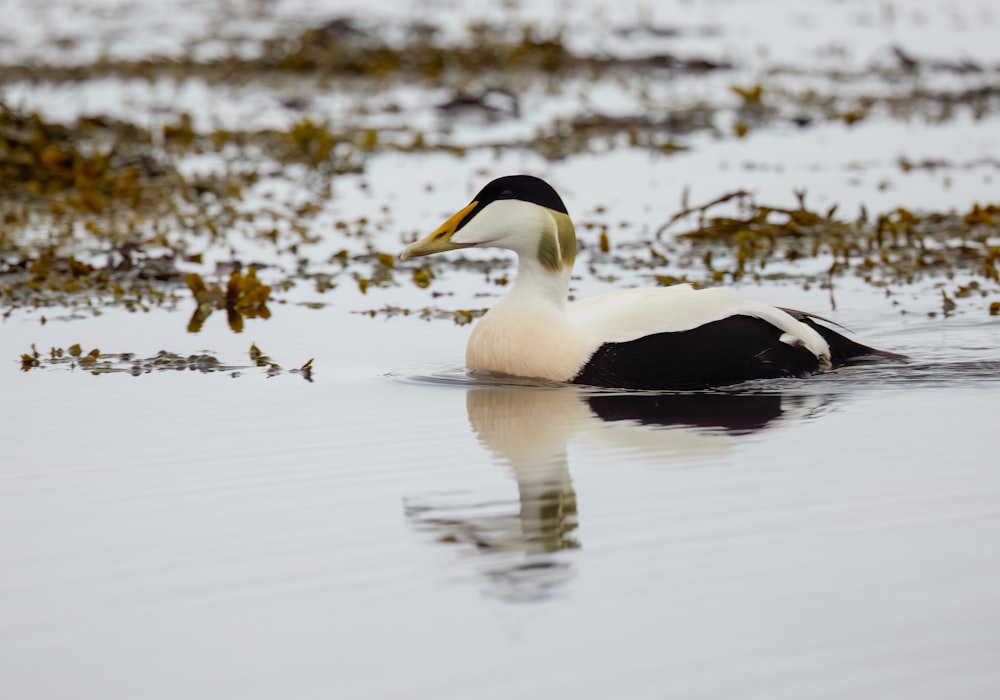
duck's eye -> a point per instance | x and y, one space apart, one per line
506 194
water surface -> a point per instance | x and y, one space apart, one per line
415 532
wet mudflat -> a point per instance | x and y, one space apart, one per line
241 456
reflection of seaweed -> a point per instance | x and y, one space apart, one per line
244 296
95 362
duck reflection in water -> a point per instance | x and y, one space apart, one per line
528 429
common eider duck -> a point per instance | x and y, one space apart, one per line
673 337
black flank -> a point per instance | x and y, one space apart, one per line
728 351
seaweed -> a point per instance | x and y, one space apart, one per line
461 317
102 212
97 363
243 297
897 247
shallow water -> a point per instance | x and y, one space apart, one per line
389 527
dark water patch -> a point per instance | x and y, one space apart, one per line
531 581
734 412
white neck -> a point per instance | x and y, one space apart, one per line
536 286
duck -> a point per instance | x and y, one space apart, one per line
660 338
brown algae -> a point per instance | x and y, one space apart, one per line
97 363
99 212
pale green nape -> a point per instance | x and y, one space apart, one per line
567 238
557 249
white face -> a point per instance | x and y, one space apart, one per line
506 223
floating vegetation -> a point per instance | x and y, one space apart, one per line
94 214
893 248
243 297
344 48
98 216
100 212
261 360
95 166
95 362
72 191
381 274
461 317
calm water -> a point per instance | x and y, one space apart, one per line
394 529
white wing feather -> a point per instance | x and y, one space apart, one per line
629 314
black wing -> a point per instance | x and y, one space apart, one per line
732 350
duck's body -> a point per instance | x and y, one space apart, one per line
655 338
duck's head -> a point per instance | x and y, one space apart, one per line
517 212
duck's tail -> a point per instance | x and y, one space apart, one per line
843 350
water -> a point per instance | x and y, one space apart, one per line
414 532
394 528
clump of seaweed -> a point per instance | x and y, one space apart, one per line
97 363
243 297
895 247
95 213
96 165
461 317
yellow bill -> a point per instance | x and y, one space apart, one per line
440 240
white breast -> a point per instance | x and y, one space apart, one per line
525 341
